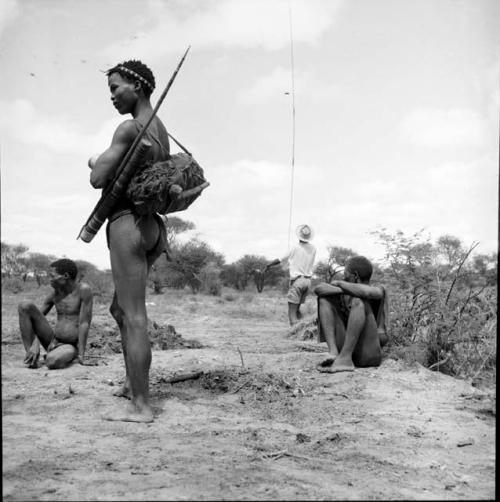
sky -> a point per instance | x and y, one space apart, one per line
396 117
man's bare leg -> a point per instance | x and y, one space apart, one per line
61 356
129 265
117 313
332 328
355 326
292 313
299 313
33 325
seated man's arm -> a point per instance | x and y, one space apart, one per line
48 303
106 164
364 291
325 289
84 319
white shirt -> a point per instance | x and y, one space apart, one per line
300 259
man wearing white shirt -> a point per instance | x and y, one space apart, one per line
300 263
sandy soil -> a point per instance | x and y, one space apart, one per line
259 423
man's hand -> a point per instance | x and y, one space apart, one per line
32 355
93 160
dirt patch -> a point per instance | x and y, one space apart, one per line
249 417
107 340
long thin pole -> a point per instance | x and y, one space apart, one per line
293 124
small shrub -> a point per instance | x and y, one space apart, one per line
210 280
13 284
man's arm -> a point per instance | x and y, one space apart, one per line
84 319
104 168
34 351
364 291
325 289
48 303
277 261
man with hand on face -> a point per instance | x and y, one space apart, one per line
352 317
73 302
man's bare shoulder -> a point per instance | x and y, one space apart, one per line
128 126
84 289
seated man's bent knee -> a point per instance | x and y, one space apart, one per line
60 357
25 306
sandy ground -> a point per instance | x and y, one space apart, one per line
259 424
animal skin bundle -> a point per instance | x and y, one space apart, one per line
168 186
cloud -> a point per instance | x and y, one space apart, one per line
9 10
21 122
431 127
227 24
276 83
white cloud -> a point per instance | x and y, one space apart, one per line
227 23
279 81
9 10
21 122
458 127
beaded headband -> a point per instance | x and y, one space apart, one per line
136 75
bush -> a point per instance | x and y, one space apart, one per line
101 283
13 284
210 280
439 303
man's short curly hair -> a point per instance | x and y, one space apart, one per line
65 266
133 70
361 265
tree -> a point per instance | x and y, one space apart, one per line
14 259
189 259
238 274
337 258
175 226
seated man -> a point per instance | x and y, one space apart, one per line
352 318
73 301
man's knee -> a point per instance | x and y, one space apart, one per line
60 357
25 307
136 321
116 312
56 363
357 307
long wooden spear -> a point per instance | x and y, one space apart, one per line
124 172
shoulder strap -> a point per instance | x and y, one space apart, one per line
181 146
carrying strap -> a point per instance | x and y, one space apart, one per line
181 146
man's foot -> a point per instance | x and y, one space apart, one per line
326 363
131 414
123 391
339 366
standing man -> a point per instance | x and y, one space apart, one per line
73 302
134 241
300 263
352 317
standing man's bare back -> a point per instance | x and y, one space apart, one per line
68 339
